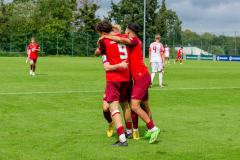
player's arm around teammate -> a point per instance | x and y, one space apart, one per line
141 77
116 79
124 105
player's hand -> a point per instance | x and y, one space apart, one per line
123 64
97 52
98 42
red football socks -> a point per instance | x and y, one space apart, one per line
150 125
129 125
120 130
134 119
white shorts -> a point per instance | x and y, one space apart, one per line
156 67
167 55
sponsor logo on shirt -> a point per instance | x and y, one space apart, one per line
112 42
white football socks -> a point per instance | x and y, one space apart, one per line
152 76
135 130
122 138
129 131
160 78
153 129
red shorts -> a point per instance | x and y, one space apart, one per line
179 58
140 88
117 91
33 56
33 59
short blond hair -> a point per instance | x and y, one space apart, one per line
117 27
158 37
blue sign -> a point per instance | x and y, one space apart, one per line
234 58
228 58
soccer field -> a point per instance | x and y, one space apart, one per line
57 114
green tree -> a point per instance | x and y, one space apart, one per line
152 7
3 15
3 26
189 38
86 18
174 28
218 50
20 15
15 1
54 16
127 11
162 20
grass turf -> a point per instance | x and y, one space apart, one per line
58 115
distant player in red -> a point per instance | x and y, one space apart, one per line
32 52
141 77
179 56
124 105
117 79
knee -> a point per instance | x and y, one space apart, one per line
105 106
123 105
134 107
113 106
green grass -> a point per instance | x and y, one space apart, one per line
198 112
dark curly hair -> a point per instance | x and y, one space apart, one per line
134 27
104 26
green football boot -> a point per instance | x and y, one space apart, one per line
154 136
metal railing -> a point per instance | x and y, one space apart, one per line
84 44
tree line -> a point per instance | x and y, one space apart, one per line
67 26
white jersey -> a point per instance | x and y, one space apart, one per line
167 53
156 49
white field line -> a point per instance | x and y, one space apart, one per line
101 91
50 92
195 88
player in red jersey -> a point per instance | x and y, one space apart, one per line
179 56
117 78
141 77
124 105
32 52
